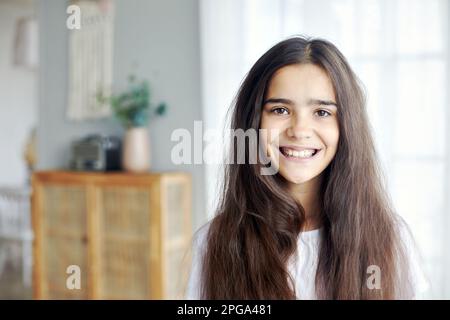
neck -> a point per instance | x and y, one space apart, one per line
308 194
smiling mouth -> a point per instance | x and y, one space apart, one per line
298 154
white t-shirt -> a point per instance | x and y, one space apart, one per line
303 265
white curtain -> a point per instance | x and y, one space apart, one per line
400 50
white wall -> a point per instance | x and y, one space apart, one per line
18 96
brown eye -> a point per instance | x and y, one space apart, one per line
280 111
323 113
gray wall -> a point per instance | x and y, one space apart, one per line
18 106
158 40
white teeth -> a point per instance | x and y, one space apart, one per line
299 154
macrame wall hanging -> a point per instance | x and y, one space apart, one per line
91 60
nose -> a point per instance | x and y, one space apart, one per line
300 127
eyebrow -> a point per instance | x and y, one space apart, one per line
310 101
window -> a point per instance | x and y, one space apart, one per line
400 50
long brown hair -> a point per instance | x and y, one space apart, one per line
257 223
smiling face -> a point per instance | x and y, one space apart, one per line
300 103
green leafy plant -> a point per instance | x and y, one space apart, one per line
132 107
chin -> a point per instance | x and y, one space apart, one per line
297 180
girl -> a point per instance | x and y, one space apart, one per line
322 227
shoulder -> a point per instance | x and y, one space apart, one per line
199 241
419 283
199 238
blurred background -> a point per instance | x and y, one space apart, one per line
195 53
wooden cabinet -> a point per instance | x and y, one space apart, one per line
128 234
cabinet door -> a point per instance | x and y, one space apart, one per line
177 228
63 226
124 242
